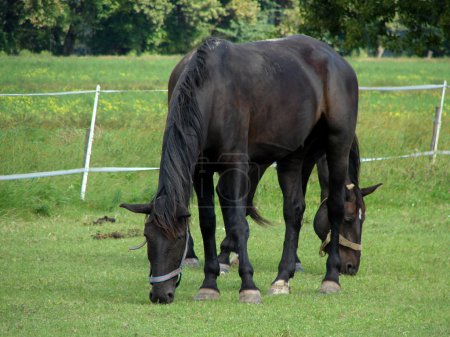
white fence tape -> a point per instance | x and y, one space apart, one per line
412 155
136 169
133 169
81 92
404 88
74 171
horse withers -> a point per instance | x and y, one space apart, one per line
237 104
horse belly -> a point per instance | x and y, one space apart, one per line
281 126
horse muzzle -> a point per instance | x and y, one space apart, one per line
162 294
349 268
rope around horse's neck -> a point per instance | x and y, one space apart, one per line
342 241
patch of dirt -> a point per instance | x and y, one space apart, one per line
101 221
131 233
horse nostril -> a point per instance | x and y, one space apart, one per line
170 297
152 298
351 269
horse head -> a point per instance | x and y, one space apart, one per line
351 229
166 247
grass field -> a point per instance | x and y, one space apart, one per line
56 279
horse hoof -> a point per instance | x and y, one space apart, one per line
280 287
329 287
235 260
250 296
192 262
224 268
205 294
299 267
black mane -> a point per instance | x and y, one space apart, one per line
183 138
354 163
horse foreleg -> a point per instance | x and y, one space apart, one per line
228 245
204 188
338 148
233 188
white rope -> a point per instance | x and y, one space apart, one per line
138 90
412 155
80 92
54 93
404 88
74 171
136 169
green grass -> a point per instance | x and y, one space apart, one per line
57 280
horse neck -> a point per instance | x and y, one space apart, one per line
181 148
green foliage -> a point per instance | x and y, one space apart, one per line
65 27
349 25
130 26
245 21
189 23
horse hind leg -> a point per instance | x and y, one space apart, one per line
289 177
191 259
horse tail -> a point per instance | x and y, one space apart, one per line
254 214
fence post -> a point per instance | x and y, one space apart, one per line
437 124
87 156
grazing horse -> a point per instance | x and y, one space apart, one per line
350 232
234 108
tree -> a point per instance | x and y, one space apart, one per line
427 26
189 22
10 13
126 26
243 21
349 24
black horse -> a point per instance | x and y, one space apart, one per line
234 108
349 251
350 233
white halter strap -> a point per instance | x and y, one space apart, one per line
176 272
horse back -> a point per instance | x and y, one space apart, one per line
264 98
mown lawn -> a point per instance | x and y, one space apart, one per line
57 280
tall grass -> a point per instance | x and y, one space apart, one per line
57 280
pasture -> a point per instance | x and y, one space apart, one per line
61 274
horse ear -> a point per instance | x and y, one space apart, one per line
138 208
368 190
182 212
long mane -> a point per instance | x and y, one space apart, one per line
354 162
354 165
183 139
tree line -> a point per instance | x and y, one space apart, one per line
117 27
